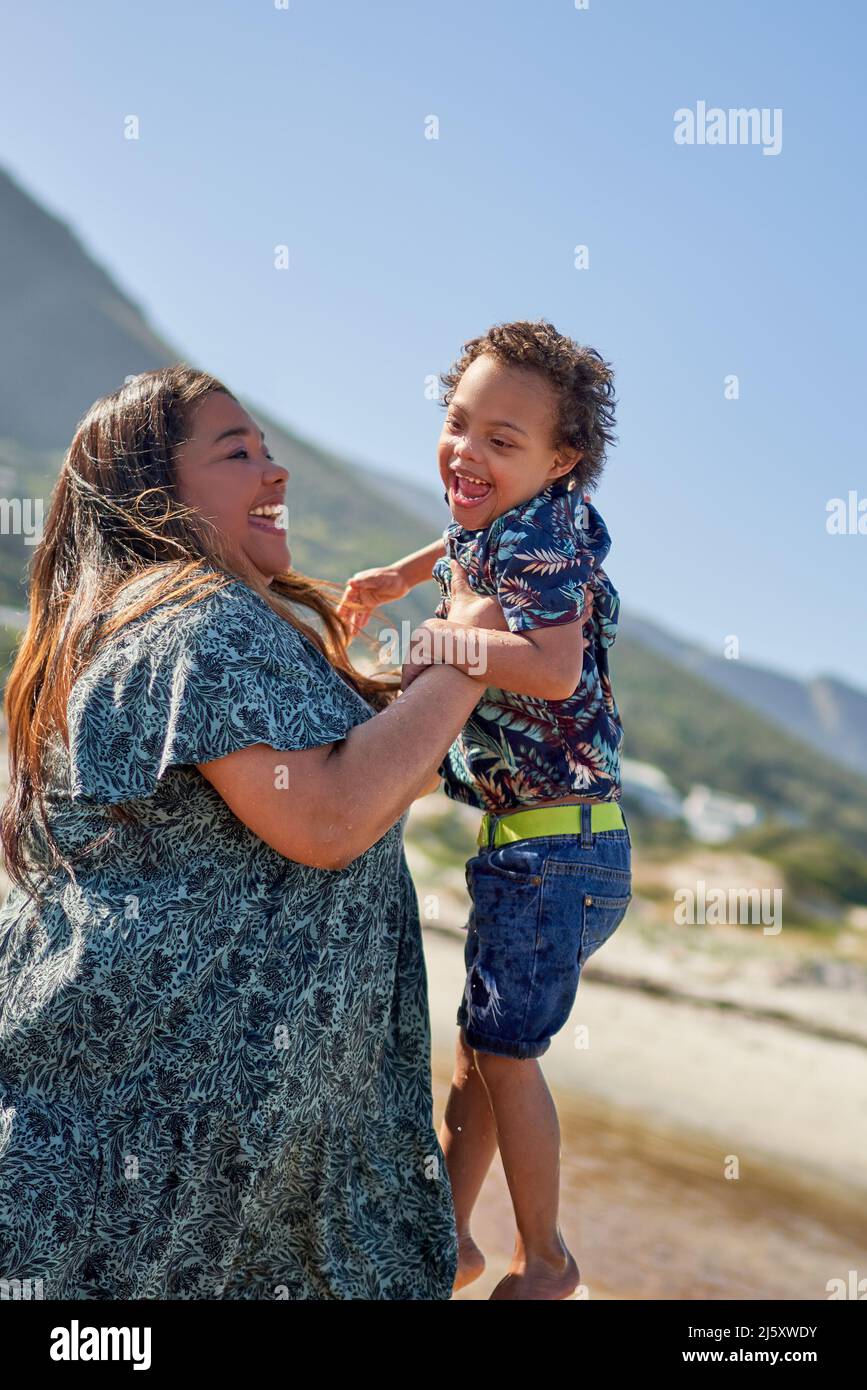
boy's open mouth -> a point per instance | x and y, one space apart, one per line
466 490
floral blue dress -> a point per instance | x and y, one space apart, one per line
214 1061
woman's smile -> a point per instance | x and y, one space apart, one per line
271 517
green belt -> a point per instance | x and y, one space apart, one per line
550 820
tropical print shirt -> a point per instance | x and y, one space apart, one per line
516 749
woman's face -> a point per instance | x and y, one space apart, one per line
225 471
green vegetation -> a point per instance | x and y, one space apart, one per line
816 866
695 733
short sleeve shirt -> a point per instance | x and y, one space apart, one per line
537 559
252 1031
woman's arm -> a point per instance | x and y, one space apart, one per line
432 786
325 806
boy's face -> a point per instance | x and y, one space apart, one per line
495 450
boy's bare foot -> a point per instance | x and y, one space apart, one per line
535 1278
471 1263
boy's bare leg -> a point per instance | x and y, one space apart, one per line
468 1138
528 1133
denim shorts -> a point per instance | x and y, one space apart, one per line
539 909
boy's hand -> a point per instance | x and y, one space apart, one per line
365 591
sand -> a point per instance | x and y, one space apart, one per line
703 1155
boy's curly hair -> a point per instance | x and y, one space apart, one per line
582 381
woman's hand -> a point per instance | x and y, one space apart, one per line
471 609
466 609
365 591
435 641
411 669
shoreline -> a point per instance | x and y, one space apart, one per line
674 1062
704 1154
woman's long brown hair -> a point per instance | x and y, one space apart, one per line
115 516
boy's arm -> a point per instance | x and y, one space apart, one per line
418 566
368 589
545 662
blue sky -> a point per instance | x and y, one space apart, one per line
261 126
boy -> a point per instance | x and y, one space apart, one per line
530 414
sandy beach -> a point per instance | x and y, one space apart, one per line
652 1113
713 1108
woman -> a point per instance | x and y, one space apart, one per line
214 1044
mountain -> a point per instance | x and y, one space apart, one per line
824 710
677 721
72 334
69 333
425 501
